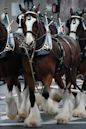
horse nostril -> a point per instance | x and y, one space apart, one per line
31 43
73 22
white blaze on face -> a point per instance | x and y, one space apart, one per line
20 18
74 24
29 24
19 24
73 27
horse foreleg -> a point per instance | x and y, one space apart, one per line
18 91
59 81
11 106
48 102
65 113
34 118
25 105
56 94
80 110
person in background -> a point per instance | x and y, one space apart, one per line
28 4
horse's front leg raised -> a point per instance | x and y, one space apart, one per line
49 105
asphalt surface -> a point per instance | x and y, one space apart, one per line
48 121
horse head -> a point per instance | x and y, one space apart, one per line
37 31
32 26
76 26
76 22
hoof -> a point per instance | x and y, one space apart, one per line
22 116
62 120
79 114
12 117
29 123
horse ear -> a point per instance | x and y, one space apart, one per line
17 20
83 11
68 23
37 8
71 11
22 9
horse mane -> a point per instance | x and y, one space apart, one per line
42 31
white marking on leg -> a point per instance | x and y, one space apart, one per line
34 118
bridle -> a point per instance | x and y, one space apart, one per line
37 33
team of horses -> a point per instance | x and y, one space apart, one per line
42 56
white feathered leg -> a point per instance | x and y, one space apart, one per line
56 94
66 111
50 106
34 118
19 98
11 106
80 111
25 105
39 100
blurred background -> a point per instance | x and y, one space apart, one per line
55 8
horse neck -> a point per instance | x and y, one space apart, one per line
41 29
81 33
3 31
40 36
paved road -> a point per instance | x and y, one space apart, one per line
48 121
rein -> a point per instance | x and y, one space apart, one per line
73 32
41 37
31 33
30 59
